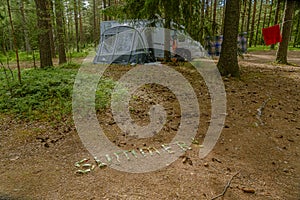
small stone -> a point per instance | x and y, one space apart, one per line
14 158
285 170
216 160
206 165
248 190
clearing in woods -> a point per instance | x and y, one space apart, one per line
250 160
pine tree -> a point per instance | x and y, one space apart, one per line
44 21
281 56
228 63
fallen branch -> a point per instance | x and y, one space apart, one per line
260 110
226 187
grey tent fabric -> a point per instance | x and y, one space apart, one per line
122 45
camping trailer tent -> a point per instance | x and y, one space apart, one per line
122 45
137 42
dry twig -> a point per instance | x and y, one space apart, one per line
226 187
260 111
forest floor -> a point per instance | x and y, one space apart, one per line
250 160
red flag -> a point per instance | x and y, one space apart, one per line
272 34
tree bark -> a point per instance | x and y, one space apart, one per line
76 25
24 26
202 21
244 15
95 36
264 20
276 18
281 56
51 24
228 63
258 23
15 40
249 17
62 58
167 54
270 13
253 24
214 23
223 17
44 33
297 32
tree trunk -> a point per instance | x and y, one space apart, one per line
258 23
264 21
104 7
202 21
81 35
281 56
244 15
253 24
249 17
276 18
95 37
214 24
223 17
60 32
24 27
44 33
51 24
228 63
265 15
167 54
15 40
76 25
270 13
297 32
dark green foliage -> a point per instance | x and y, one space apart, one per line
46 94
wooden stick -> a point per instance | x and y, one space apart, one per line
226 187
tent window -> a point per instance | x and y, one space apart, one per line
108 44
124 43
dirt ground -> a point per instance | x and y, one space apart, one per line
250 161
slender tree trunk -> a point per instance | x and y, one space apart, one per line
24 26
271 11
214 23
249 16
276 18
15 40
167 54
76 25
244 15
82 39
109 4
202 21
258 23
207 10
265 14
297 31
44 21
228 63
60 32
264 21
253 24
95 36
51 25
281 56
104 7
223 17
